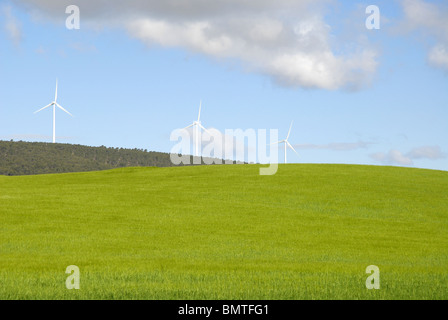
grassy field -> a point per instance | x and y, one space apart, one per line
224 232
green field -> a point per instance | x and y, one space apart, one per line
225 232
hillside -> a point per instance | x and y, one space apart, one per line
28 158
225 232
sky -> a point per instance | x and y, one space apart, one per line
137 70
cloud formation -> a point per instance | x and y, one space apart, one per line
396 157
12 26
431 20
289 41
392 157
336 146
426 152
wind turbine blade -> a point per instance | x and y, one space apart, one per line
56 92
292 148
202 127
200 106
275 143
188 126
289 132
60 107
44 108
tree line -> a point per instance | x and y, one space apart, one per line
29 158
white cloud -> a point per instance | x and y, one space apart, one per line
392 157
438 56
12 26
336 146
426 152
431 19
287 40
291 55
396 157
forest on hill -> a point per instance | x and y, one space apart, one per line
29 158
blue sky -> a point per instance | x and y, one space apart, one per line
131 78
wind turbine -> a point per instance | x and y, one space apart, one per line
286 142
54 104
197 125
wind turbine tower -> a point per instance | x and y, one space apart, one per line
54 104
197 126
286 142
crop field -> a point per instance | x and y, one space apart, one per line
225 232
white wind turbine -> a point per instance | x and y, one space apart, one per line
54 104
197 125
286 142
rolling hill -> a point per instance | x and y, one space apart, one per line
225 232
